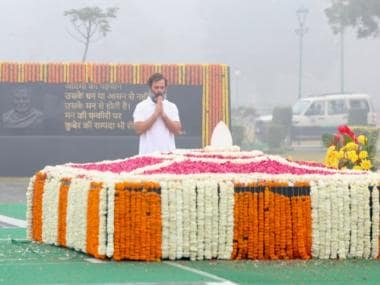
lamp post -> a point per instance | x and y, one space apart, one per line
301 31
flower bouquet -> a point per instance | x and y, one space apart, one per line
345 150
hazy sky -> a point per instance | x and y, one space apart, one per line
255 38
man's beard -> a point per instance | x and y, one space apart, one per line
155 96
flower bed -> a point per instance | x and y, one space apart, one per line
204 205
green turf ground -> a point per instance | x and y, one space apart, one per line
22 262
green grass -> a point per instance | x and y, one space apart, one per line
13 210
45 264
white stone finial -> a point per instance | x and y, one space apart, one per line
221 136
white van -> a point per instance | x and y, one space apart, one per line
315 115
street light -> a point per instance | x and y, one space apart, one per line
301 31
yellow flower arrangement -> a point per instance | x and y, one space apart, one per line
346 151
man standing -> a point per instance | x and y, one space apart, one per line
156 120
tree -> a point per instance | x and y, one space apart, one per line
362 15
89 22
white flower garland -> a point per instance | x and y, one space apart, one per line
324 218
230 220
102 247
172 220
186 189
208 187
375 221
222 219
29 207
165 218
346 219
179 219
342 195
225 243
110 190
327 219
77 214
354 220
361 217
336 208
315 222
366 222
193 237
50 210
200 220
214 188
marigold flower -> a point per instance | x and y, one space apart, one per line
362 139
363 154
357 167
366 164
353 156
331 148
352 146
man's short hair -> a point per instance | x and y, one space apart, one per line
156 77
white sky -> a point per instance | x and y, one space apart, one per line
255 37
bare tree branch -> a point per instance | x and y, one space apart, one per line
77 28
75 37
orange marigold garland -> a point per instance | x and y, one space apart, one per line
39 185
62 210
93 209
271 221
137 218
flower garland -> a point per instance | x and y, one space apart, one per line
77 204
200 200
179 219
110 191
260 233
375 222
172 220
214 199
343 230
248 215
193 243
29 207
137 216
37 222
62 210
222 221
165 218
186 188
96 209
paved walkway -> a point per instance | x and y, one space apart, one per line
13 189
